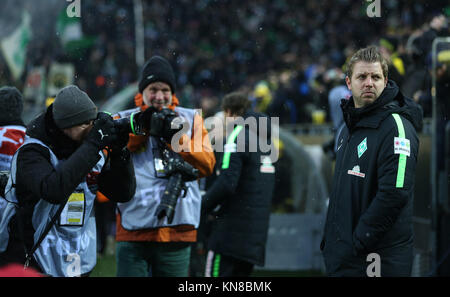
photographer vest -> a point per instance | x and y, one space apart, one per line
139 212
70 247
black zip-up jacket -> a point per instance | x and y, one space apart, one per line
371 202
244 192
36 178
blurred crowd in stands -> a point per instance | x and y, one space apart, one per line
288 55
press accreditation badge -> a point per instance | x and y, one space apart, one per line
160 169
73 212
402 146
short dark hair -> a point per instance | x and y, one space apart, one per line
369 54
236 103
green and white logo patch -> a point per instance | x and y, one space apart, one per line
362 147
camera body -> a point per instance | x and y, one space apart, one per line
129 125
165 123
159 123
179 172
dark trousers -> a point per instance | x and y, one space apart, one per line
163 259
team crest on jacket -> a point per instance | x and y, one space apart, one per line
362 147
267 166
356 171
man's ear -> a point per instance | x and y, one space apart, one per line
348 82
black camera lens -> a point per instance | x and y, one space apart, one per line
129 125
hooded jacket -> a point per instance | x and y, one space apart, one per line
244 192
371 202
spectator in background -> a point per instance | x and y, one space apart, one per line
422 45
389 50
243 190
209 105
287 104
437 27
415 72
260 37
262 97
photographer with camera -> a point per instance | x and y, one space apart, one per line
156 228
49 221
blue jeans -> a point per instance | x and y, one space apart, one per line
161 259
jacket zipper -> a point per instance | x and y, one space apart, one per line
338 182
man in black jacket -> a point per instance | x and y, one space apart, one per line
56 174
244 191
368 230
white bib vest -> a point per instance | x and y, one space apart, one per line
70 247
139 212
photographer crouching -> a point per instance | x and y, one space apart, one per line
71 152
156 228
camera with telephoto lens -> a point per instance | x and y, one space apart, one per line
159 123
129 125
179 172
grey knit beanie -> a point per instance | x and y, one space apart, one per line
11 105
73 107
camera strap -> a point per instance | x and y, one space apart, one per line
29 254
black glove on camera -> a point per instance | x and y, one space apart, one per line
145 117
103 132
123 136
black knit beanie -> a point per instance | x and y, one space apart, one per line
157 69
11 105
73 107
